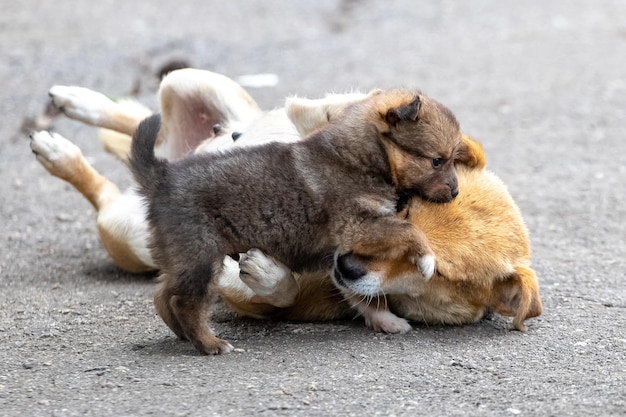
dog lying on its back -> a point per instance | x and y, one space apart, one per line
482 261
335 191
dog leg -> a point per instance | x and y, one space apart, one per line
163 297
391 238
96 109
240 298
271 280
188 317
64 160
121 217
377 316
517 296
193 315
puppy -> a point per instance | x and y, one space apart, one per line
483 266
196 100
299 202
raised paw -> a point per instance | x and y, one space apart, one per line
385 321
58 155
268 278
426 264
81 103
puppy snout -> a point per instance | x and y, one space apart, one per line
348 268
453 183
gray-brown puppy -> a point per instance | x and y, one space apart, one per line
333 192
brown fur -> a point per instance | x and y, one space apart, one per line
483 260
299 202
461 297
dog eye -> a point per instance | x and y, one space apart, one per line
437 162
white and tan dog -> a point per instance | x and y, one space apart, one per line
483 255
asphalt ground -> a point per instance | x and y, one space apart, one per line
541 83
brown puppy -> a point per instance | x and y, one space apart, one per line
483 261
483 265
298 202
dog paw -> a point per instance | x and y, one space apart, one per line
57 155
215 346
427 266
81 103
268 278
385 321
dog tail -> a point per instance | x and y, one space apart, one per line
147 169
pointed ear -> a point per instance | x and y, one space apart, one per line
308 115
517 296
404 113
471 153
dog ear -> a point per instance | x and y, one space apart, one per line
309 115
471 153
518 296
405 113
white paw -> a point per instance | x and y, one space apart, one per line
385 321
81 103
268 278
427 266
57 154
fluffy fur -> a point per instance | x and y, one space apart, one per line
260 286
335 190
483 265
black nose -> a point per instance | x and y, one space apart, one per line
454 192
349 268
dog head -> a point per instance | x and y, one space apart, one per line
440 300
482 254
421 136
423 141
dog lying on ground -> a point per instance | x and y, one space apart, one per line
193 102
483 265
334 191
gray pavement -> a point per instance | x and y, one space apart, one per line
541 83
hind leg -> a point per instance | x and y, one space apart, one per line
121 217
163 297
184 303
117 119
96 109
193 314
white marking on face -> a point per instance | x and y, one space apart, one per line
368 284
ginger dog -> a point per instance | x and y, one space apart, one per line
201 99
483 265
